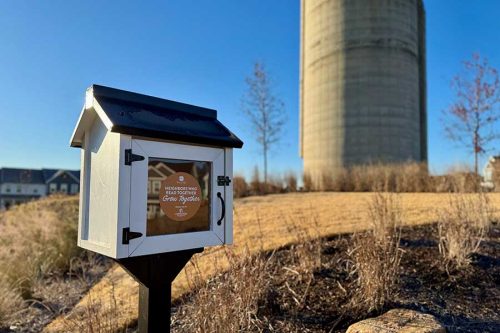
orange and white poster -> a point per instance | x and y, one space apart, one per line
180 196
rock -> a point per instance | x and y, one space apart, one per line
400 321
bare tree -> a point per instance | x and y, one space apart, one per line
471 120
255 184
265 111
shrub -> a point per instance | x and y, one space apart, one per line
274 185
256 186
307 182
462 227
291 181
240 187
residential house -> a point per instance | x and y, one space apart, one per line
491 173
22 185
62 181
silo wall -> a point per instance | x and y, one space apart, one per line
362 84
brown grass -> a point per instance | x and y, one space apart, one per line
271 216
36 239
376 254
463 224
10 299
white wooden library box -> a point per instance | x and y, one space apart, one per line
155 175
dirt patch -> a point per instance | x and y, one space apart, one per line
463 301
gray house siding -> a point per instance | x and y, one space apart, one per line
63 181
22 185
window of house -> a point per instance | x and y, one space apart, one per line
18 189
156 186
151 211
35 190
74 188
7 189
52 188
64 188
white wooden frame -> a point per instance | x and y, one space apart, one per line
138 199
111 209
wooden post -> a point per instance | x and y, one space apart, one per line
155 274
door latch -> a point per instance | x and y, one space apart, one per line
223 181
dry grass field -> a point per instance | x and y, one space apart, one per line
261 223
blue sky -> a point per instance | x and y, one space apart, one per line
197 52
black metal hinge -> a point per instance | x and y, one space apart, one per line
128 235
129 157
223 181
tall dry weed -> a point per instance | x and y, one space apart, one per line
227 302
462 226
36 239
378 177
376 254
302 260
10 300
398 177
305 252
409 177
98 315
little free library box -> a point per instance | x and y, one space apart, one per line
156 175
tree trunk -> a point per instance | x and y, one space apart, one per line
265 170
476 164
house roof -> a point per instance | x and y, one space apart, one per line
25 176
51 174
146 116
48 173
32 176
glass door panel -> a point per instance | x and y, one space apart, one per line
178 196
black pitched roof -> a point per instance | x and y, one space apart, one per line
152 117
25 176
75 173
30 176
48 173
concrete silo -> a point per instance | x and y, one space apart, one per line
363 84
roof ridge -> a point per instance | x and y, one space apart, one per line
148 100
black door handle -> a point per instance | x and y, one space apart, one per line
223 208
